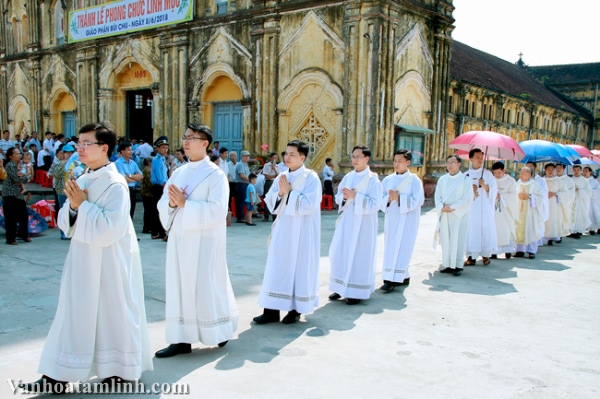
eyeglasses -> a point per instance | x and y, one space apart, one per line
85 144
451 163
191 138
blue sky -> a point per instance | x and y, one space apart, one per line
547 32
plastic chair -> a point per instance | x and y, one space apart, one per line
47 212
327 202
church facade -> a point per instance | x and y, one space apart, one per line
331 72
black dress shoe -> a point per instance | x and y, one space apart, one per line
174 350
45 385
457 271
519 254
352 301
269 316
508 255
494 256
447 270
334 297
592 232
550 243
531 255
406 281
291 318
387 287
222 344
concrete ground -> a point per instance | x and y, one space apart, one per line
515 329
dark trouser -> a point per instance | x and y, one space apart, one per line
132 199
231 194
328 188
15 211
147 201
240 199
268 184
156 227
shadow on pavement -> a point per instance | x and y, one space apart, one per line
271 340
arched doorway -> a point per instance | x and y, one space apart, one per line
223 112
19 116
63 108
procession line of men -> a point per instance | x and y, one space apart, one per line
100 325
485 214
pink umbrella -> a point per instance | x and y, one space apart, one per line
595 156
581 150
494 145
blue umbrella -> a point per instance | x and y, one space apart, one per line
573 155
545 151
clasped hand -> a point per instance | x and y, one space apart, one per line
176 197
393 195
75 194
348 193
284 186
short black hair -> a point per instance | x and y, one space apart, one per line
203 129
300 145
327 160
365 150
473 152
104 132
588 168
223 149
181 150
251 176
405 153
283 153
214 158
60 136
272 154
455 156
548 165
533 163
498 165
123 146
576 166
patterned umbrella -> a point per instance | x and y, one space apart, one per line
494 145
37 224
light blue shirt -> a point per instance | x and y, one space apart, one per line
158 174
127 168
251 189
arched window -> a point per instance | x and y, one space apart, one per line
24 32
59 22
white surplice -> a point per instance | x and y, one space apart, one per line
354 243
200 306
531 215
100 324
581 205
506 210
482 239
401 224
291 279
457 192
566 203
557 218
594 204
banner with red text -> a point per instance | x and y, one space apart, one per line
123 16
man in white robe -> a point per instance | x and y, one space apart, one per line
505 211
291 279
354 243
403 197
453 199
200 306
531 214
581 204
100 324
545 202
482 239
566 200
553 230
594 201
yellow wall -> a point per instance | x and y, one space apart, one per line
221 89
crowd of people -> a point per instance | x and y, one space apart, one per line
100 325
485 214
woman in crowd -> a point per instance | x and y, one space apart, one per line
15 208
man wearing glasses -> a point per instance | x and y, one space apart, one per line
100 324
200 306
354 243
159 177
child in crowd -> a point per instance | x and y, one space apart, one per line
27 169
250 199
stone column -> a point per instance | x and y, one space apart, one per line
87 85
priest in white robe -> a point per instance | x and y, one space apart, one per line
531 214
453 199
403 197
354 243
291 279
506 210
557 218
566 199
545 202
100 324
482 240
594 201
200 305
581 204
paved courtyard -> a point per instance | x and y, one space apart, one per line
515 329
